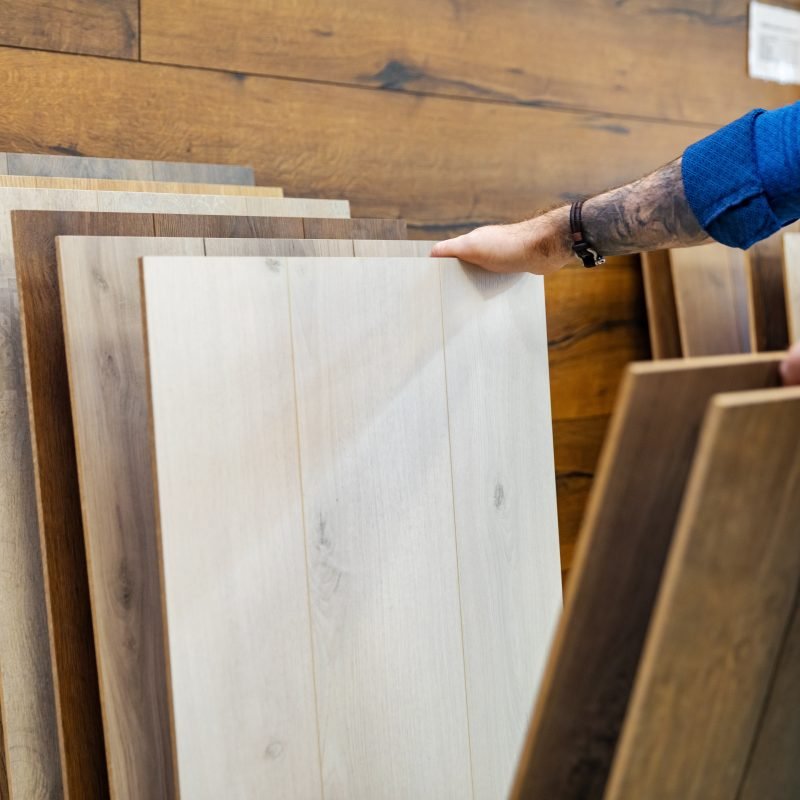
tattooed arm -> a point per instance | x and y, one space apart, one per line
648 214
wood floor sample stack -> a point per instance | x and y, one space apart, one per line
28 700
727 600
55 166
623 546
791 266
385 409
712 300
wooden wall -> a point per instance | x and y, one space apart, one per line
450 113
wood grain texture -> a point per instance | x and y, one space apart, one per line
727 597
791 275
101 184
242 682
355 154
766 292
24 600
662 314
620 557
61 166
358 229
389 249
97 27
279 247
375 458
513 54
4 795
773 770
712 300
102 319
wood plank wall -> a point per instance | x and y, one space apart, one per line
450 113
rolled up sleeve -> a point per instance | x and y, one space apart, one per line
743 182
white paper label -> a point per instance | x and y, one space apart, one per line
774 43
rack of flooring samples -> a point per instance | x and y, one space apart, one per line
278 496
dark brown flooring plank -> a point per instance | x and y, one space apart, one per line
74 661
93 27
508 52
612 587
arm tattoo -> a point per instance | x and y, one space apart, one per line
648 214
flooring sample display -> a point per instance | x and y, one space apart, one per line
35 233
29 706
712 300
621 552
791 267
369 651
102 184
51 166
662 314
727 598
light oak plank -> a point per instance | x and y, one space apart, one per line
378 503
791 276
662 314
279 247
230 520
102 319
58 166
101 184
727 597
386 248
774 769
712 300
3 164
620 556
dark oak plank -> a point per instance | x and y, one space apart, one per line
95 27
662 314
617 570
508 52
61 529
355 229
727 597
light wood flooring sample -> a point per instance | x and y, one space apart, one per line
791 267
623 545
123 169
711 296
727 597
662 315
375 442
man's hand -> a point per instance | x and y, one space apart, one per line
790 368
540 245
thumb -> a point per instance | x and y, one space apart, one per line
790 368
447 249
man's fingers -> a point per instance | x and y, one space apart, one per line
451 248
790 368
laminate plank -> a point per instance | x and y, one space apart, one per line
381 538
513 53
662 313
3 164
727 597
767 296
242 683
620 556
57 166
712 300
105 356
3 775
791 276
389 249
30 678
356 152
773 770
98 27
101 184
279 247
383 229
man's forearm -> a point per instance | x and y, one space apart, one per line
648 214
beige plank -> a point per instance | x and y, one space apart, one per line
279 247
505 505
102 317
620 556
230 527
101 184
3 164
712 300
727 596
378 503
404 249
791 276
774 769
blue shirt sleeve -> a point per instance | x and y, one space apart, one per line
743 182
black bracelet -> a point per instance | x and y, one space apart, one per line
583 249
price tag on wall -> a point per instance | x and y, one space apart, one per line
774 43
